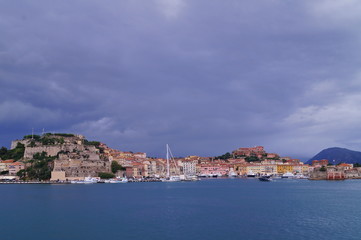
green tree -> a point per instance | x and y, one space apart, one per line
252 159
48 141
36 137
40 168
115 166
3 151
224 156
105 175
32 144
93 143
64 134
323 169
16 153
40 156
21 174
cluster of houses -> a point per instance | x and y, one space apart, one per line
241 162
10 167
322 170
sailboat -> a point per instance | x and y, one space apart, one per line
170 178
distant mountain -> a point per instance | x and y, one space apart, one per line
337 155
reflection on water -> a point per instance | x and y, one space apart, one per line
207 209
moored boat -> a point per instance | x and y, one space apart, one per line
265 178
191 178
251 174
170 178
288 175
87 180
117 180
301 176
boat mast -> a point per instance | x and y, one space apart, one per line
168 173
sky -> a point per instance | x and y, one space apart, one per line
204 76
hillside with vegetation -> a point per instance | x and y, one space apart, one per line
70 153
16 154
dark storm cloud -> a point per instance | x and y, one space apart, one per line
205 76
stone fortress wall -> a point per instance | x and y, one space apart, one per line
73 157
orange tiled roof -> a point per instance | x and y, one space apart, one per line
16 163
8 161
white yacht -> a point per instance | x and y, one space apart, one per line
301 176
288 175
86 180
174 179
191 178
117 180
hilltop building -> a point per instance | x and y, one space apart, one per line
253 151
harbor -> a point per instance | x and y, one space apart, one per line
156 210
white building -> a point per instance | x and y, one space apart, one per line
189 168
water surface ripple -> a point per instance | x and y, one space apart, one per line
209 209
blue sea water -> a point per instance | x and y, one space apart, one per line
208 209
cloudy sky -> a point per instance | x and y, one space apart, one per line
204 76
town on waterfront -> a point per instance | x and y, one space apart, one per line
60 157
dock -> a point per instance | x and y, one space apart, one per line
33 182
